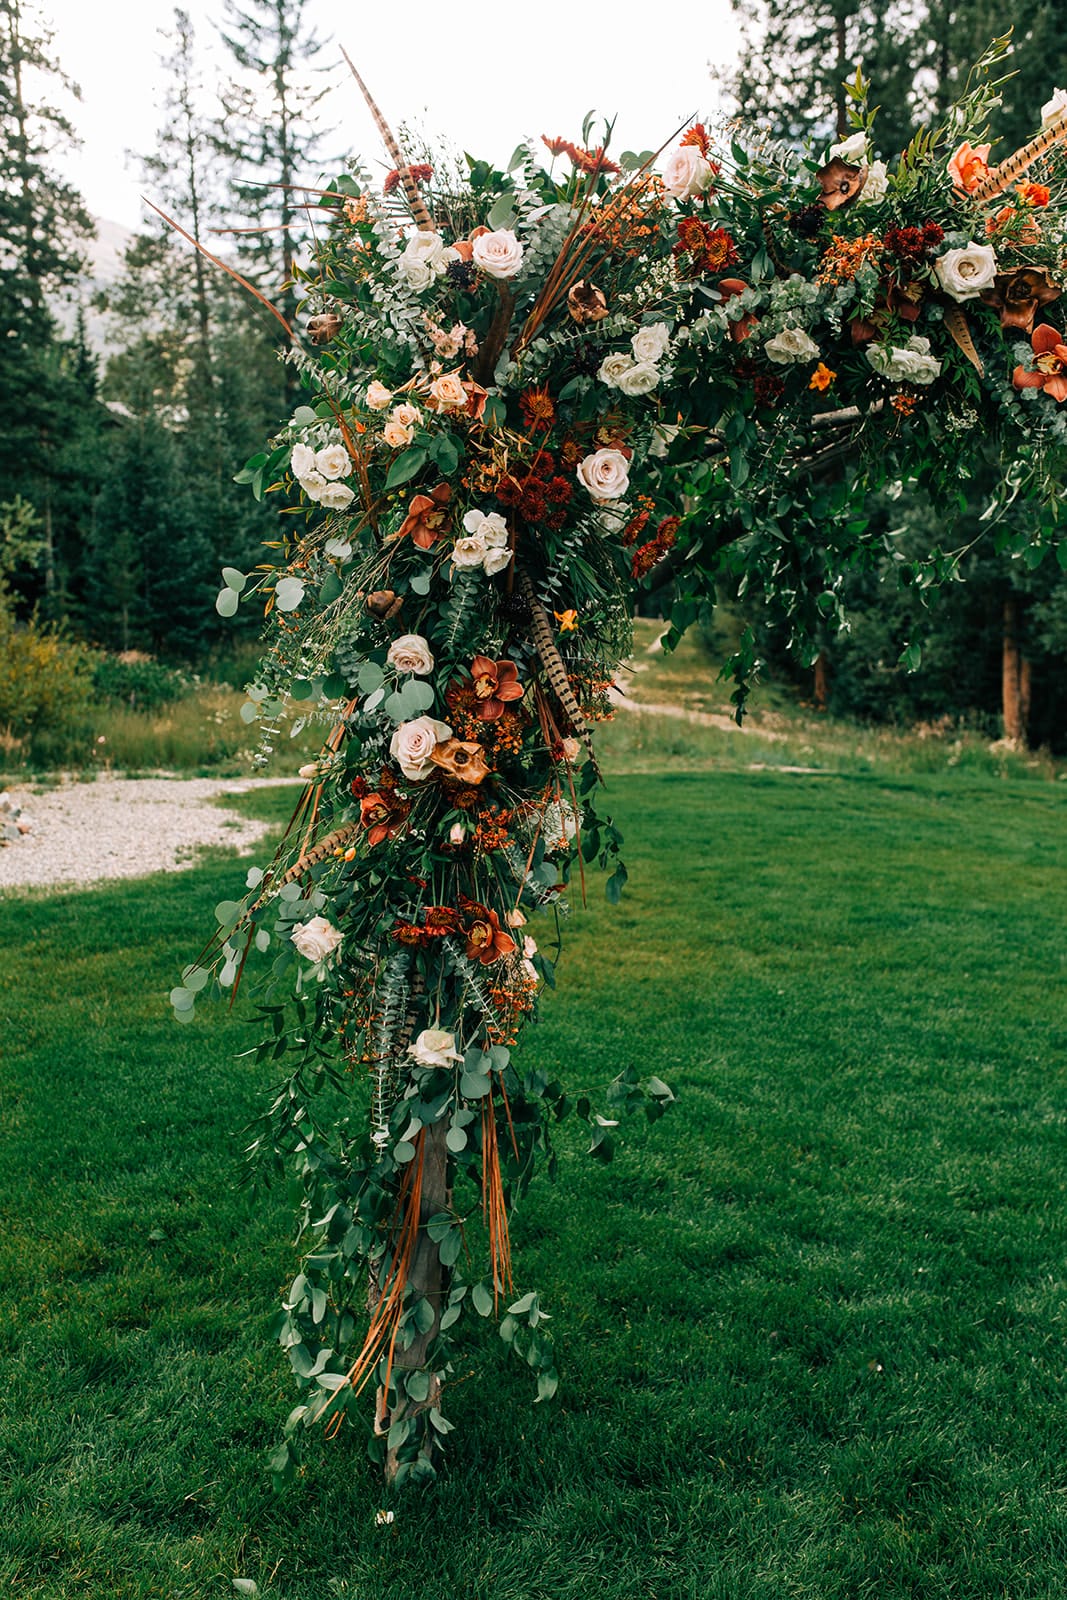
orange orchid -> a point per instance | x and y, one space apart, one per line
1049 371
968 166
1020 294
426 517
382 813
568 621
840 183
1033 194
822 378
486 939
495 683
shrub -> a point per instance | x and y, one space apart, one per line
45 683
136 680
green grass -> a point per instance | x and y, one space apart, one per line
812 1324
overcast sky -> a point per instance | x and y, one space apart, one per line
482 74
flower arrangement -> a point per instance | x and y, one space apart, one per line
528 394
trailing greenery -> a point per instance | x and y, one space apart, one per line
810 1322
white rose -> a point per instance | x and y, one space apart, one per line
396 435
303 460
605 474
663 436
423 259
491 528
853 149
457 833
687 174
964 273
434 1048
317 939
496 559
499 254
334 461
469 552
639 379
1054 108
877 186
412 743
378 396
792 344
910 363
651 341
313 483
612 368
411 653
335 496
448 391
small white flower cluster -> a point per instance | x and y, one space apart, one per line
910 363
638 373
318 473
485 543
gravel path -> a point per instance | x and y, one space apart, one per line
123 828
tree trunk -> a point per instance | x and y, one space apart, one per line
428 1279
1015 677
821 686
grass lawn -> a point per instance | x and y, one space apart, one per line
811 1324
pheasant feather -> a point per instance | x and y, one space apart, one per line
396 156
555 671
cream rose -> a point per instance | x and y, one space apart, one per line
406 414
313 483
333 462
853 149
412 743
434 1048
448 392
396 435
496 559
498 254
378 396
612 368
964 273
490 527
686 173
469 552
411 653
302 460
910 363
316 940
335 496
1054 108
877 185
792 344
423 260
638 379
650 342
457 833
605 474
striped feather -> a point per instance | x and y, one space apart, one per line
411 188
320 851
1004 176
555 671
956 323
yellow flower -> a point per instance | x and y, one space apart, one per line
822 378
568 621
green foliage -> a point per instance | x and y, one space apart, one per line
45 682
137 681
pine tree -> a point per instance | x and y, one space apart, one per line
43 224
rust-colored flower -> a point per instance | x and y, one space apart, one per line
383 813
462 759
840 183
697 135
538 409
586 303
384 603
476 398
968 166
1020 294
1033 194
495 682
486 939
822 378
427 515
1049 371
